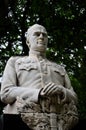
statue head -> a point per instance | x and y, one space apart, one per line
37 38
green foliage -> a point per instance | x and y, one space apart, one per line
66 26
81 94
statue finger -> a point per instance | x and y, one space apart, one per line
51 90
46 87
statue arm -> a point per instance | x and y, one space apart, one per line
9 89
69 93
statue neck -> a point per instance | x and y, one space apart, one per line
37 54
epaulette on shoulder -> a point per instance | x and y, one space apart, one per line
55 64
62 68
13 59
21 59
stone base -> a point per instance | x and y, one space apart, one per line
47 117
14 122
81 125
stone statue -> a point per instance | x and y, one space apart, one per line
38 89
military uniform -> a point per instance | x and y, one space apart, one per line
26 76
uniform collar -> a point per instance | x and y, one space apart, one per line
37 56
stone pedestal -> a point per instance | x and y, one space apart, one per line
37 117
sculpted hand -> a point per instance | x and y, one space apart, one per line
51 89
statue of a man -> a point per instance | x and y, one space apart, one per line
37 89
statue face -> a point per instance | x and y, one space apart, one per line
38 38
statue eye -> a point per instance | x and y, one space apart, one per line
37 34
44 34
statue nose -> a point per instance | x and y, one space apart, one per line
41 35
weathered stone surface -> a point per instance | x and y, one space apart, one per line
35 117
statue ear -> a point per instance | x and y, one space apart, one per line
28 44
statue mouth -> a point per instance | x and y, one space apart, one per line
40 40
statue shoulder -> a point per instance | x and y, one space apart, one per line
23 59
14 59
